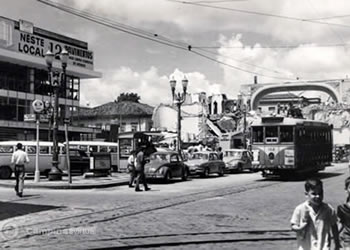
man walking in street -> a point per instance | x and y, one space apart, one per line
140 162
19 159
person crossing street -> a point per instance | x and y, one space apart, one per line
19 159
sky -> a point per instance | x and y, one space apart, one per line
231 42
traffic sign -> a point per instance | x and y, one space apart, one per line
29 118
38 106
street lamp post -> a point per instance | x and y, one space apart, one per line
244 126
179 99
56 80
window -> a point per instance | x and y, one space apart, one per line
31 149
258 134
271 132
93 149
44 150
286 134
134 126
174 158
6 149
103 149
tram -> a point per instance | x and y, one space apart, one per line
130 141
286 146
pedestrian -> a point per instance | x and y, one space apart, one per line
220 153
131 168
140 162
314 220
343 212
19 159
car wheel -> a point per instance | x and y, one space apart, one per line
206 172
46 173
221 171
184 174
239 168
5 172
167 177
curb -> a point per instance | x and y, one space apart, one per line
68 186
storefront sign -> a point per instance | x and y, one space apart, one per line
27 43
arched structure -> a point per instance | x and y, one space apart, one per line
293 87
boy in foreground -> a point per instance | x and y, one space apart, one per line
313 220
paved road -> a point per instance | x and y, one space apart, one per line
240 211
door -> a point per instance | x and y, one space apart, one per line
175 165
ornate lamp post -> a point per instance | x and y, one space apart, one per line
178 99
56 80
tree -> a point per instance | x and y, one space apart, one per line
131 97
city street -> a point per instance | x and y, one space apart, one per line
237 211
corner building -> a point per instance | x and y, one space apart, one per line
24 78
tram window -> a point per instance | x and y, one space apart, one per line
271 132
103 149
84 148
93 149
286 134
258 134
113 149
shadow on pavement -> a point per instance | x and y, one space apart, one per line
13 209
300 178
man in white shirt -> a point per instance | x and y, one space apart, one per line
19 159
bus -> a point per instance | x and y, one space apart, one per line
130 141
286 146
45 157
98 147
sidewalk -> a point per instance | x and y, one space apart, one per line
78 182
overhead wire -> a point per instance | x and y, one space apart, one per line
148 35
242 62
329 27
258 13
108 23
277 46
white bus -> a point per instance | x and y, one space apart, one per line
98 146
45 157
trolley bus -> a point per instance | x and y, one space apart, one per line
286 146
45 157
98 147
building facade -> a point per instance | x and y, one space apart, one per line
24 78
124 116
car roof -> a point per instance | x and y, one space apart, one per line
165 152
204 152
235 150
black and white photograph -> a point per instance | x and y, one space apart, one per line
175 124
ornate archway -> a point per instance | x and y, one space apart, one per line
293 87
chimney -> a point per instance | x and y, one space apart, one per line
255 79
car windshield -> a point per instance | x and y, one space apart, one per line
233 154
200 156
159 157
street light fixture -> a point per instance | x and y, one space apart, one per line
178 99
57 79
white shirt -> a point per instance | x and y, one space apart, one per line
317 232
19 157
131 160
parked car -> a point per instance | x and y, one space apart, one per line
166 165
205 163
79 161
237 160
